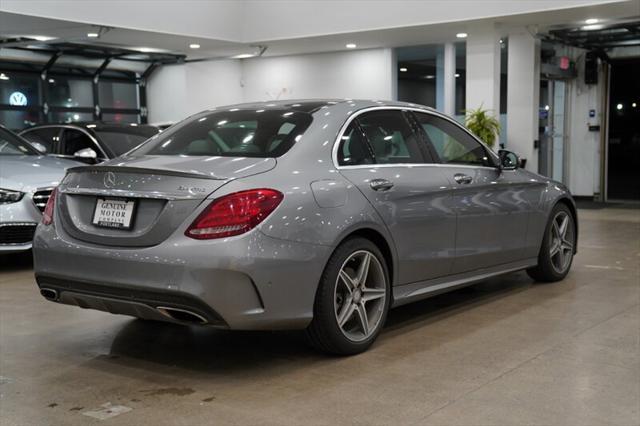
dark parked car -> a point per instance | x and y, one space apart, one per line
88 142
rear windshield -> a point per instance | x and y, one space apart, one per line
119 141
239 133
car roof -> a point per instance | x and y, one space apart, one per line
96 126
314 105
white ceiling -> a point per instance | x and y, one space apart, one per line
274 18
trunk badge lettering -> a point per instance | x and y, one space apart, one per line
109 180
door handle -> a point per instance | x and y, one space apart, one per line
380 184
462 178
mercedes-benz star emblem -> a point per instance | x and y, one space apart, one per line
109 179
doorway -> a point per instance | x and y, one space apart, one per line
623 153
552 134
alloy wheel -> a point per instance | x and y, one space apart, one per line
562 242
359 296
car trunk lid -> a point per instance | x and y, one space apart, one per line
165 192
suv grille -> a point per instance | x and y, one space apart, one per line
41 197
17 233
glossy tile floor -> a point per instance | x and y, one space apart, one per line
507 352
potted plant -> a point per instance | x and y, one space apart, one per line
483 125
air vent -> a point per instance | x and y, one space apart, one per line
41 197
16 233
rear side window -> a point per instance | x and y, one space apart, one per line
391 138
240 133
120 142
354 149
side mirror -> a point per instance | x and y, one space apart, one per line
86 153
508 160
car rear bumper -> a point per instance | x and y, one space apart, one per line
248 282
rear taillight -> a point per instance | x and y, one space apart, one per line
47 214
234 214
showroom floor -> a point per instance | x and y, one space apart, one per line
504 352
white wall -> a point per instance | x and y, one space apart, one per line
359 74
177 91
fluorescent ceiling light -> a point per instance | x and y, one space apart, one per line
592 27
403 69
43 38
429 76
243 56
3 76
93 35
591 21
194 46
350 45
462 35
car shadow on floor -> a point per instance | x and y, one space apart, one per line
15 262
216 351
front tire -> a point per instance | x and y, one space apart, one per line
558 247
352 300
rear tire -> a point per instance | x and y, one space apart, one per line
558 246
352 299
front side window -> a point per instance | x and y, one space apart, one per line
391 138
239 133
452 144
75 140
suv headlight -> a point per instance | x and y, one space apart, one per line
7 196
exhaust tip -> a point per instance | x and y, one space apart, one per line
181 315
49 294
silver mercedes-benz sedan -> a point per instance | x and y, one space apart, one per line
316 215
26 181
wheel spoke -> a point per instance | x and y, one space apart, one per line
369 294
364 321
555 230
348 281
567 245
346 312
564 225
555 249
363 269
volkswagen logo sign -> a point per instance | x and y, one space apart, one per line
109 180
17 99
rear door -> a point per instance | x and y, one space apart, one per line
492 206
381 154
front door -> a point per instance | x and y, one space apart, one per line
492 206
381 154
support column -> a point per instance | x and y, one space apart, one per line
483 70
449 104
523 96
440 78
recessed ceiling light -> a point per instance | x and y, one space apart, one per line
457 75
243 56
619 107
430 76
350 45
93 35
43 38
633 105
592 27
3 76
403 69
194 46
591 21
462 35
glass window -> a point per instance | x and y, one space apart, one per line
354 149
118 95
390 137
69 116
421 75
43 139
70 93
120 118
11 144
19 89
19 119
452 144
241 133
75 140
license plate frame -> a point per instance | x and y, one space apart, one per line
126 224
